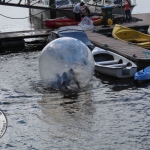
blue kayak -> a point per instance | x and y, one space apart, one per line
143 74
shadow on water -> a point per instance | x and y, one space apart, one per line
143 84
68 118
40 87
118 84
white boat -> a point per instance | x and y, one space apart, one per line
117 5
112 64
63 4
94 6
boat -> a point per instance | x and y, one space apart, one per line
62 7
131 36
59 22
66 7
76 32
142 75
64 21
117 5
112 64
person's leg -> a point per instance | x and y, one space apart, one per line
130 17
77 17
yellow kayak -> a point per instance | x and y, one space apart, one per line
129 35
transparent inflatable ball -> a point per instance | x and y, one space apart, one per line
66 63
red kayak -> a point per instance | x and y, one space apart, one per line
63 21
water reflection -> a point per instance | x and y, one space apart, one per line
116 84
68 117
96 116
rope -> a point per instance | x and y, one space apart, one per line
32 15
24 17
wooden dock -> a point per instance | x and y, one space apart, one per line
15 41
6 36
137 54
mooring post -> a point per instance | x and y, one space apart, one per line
29 8
42 20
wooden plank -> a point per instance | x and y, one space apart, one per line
123 48
145 21
25 34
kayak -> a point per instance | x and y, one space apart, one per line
64 21
131 36
142 75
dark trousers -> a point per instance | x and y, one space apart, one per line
128 15
77 17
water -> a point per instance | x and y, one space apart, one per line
109 114
11 24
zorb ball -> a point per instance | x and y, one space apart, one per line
66 63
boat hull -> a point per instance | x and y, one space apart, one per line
116 72
59 22
66 9
112 64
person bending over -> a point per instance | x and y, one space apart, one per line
77 11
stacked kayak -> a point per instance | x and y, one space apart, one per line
64 21
132 36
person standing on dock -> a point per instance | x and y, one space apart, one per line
77 11
127 7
